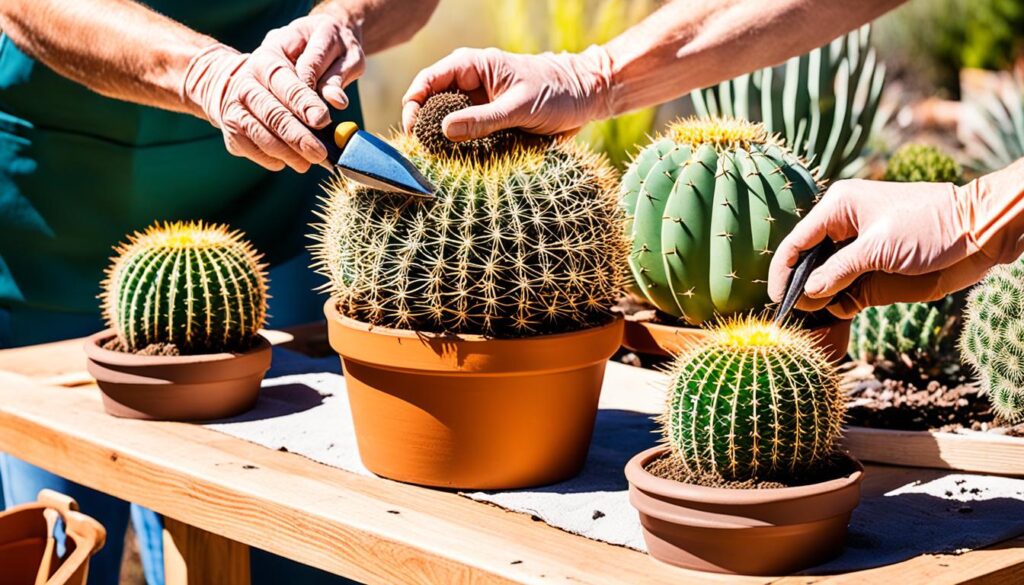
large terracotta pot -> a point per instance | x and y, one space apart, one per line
187 387
471 412
741 531
657 339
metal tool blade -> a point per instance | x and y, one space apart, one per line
375 163
809 260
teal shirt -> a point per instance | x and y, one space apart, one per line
78 170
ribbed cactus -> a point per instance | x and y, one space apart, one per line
993 338
753 401
823 104
707 204
922 163
528 241
992 123
198 286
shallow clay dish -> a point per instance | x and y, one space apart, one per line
187 387
472 412
741 531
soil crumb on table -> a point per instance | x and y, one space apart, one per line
668 467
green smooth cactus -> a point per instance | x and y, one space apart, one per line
526 242
992 341
753 401
823 103
197 286
707 204
922 162
911 336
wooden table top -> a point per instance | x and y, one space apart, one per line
369 529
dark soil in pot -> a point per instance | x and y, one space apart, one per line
668 467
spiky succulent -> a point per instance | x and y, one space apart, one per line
992 123
198 286
523 242
922 162
707 203
754 400
823 104
992 341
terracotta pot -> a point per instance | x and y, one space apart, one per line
471 412
657 339
748 532
188 387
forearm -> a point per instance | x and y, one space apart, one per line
117 48
689 45
382 23
992 211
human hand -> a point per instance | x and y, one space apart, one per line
906 242
544 94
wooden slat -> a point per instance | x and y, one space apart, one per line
975 452
196 557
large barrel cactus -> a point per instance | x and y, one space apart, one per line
197 286
823 104
753 401
519 239
707 204
992 341
911 338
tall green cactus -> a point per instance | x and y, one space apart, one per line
823 104
707 204
992 341
527 241
753 401
198 286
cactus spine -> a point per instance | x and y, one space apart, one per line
992 341
525 242
198 286
707 204
753 401
823 104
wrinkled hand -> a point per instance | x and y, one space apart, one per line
544 94
264 102
906 242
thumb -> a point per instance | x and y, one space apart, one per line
479 121
839 271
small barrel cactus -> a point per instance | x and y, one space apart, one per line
196 286
823 104
755 400
707 204
911 339
992 341
922 162
518 240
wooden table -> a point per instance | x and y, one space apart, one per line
219 495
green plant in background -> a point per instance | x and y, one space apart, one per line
753 401
992 124
911 339
823 104
574 25
707 203
526 241
197 286
992 341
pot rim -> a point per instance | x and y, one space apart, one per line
95 351
645 481
333 314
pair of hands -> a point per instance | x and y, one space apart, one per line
265 101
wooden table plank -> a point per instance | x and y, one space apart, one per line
196 557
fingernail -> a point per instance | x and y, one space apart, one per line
313 148
317 116
457 130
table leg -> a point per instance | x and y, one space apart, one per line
195 557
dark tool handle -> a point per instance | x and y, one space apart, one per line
809 260
326 136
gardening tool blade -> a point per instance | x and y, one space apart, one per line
809 260
367 159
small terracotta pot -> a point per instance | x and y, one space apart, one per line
471 412
657 339
187 387
741 531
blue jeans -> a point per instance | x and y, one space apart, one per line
292 303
